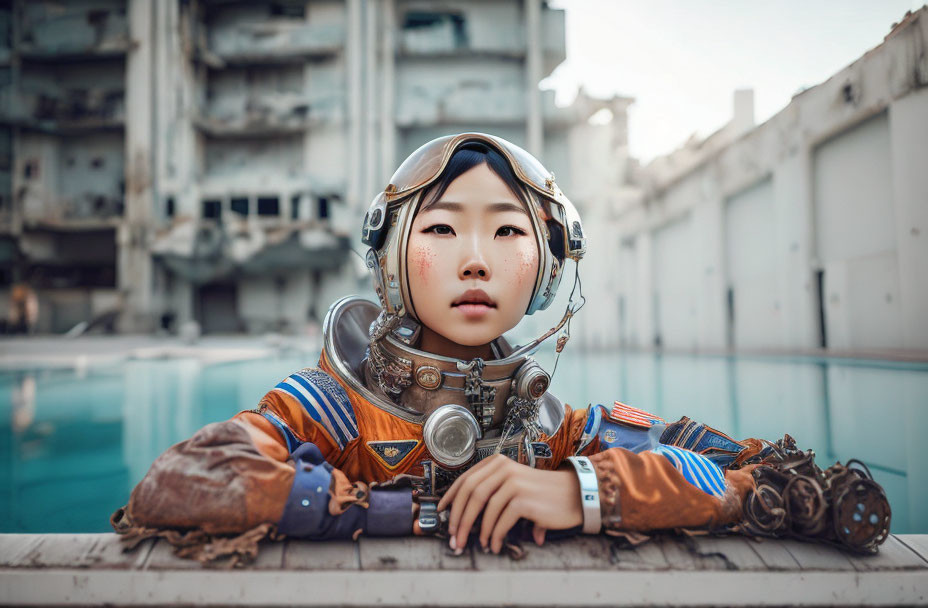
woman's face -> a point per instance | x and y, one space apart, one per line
472 260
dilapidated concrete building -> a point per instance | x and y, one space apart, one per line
806 232
162 162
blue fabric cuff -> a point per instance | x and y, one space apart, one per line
308 504
306 514
389 513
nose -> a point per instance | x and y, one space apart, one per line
474 267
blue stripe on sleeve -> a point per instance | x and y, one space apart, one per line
332 412
695 468
314 412
291 439
334 393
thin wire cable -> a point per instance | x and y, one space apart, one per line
578 284
355 251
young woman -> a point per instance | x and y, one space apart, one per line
421 416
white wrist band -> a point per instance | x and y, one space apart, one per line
589 493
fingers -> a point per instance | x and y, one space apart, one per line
494 507
465 485
462 497
538 533
471 507
453 490
506 521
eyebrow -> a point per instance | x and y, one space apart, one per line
458 207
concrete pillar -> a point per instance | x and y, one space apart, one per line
371 97
534 135
183 296
644 295
16 202
387 92
190 157
743 110
134 267
354 57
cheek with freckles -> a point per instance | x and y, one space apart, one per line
526 267
422 260
521 268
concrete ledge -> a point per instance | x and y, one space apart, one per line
92 569
444 588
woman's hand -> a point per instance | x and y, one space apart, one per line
505 491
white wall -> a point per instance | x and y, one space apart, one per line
752 260
908 126
855 236
835 182
675 286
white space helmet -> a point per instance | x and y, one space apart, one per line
389 219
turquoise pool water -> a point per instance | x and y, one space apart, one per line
73 443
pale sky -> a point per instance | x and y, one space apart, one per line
682 60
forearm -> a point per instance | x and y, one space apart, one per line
221 481
217 481
646 491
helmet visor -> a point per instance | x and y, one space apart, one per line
426 164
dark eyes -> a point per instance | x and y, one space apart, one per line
443 229
446 230
509 231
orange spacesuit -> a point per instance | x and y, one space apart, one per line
314 455
363 442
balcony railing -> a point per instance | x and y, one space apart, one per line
63 31
271 42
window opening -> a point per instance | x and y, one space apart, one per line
268 205
212 209
424 20
239 204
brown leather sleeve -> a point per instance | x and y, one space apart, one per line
229 477
642 492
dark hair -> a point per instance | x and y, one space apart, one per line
469 156
466 158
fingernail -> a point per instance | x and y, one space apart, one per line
453 543
486 548
459 551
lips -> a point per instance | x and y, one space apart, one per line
474 304
476 297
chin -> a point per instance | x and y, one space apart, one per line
472 339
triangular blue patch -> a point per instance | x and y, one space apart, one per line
393 452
